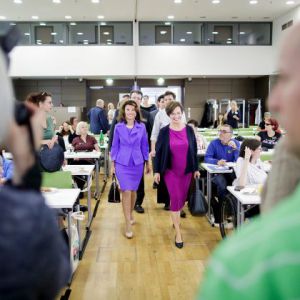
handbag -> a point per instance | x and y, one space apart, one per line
114 193
51 160
197 202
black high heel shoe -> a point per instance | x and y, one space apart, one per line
178 245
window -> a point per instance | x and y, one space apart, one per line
106 35
83 33
163 34
255 34
188 33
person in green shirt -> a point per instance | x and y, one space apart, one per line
262 259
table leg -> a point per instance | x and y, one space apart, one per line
242 218
89 183
209 197
97 180
238 213
70 236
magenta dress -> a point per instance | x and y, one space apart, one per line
176 180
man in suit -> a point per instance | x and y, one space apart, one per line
98 118
137 97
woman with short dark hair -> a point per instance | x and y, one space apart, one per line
176 160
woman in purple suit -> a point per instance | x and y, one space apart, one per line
129 152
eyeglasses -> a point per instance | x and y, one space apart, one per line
224 131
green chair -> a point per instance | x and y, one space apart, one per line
59 179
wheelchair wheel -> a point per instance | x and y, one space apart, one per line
228 220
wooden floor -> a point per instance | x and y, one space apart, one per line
149 266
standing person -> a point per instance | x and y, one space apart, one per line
137 97
160 106
262 124
269 138
111 112
73 135
233 116
220 121
176 161
98 118
146 105
129 153
261 261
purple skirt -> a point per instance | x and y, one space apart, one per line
129 177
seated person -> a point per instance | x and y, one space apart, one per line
73 135
262 124
270 136
201 140
249 168
64 131
83 142
6 169
222 150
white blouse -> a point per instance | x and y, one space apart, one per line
255 173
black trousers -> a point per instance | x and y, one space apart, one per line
162 192
140 193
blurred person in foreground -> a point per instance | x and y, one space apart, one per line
34 258
262 260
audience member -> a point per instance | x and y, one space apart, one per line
232 117
220 121
201 140
262 124
269 138
98 118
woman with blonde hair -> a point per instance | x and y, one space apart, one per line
232 117
111 112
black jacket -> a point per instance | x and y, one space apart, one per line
162 160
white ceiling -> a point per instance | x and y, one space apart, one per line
145 10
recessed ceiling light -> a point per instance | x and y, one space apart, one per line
108 40
170 17
100 17
109 81
2 18
56 1
53 33
72 23
61 41
34 17
229 42
12 24
68 17
167 23
253 1
95 1
42 24
160 81
106 33
229 39
242 32
215 32
290 2
26 33
85 42
79 33
189 32
18 1
109 43
103 23
177 1
215 1
182 40
163 32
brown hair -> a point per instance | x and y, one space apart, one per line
72 120
169 93
63 132
194 122
252 144
122 117
37 98
171 106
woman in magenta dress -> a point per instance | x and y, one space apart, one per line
129 153
176 160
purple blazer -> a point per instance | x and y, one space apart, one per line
130 143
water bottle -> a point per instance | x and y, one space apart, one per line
101 138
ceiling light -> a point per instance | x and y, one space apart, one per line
12 24
177 1
61 41
2 18
106 33
215 2
53 33
56 1
109 81
79 33
253 1
108 40
95 1
242 32
72 23
189 32
68 17
42 24
229 39
170 17
182 40
109 43
163 32
215 32
18 1
160 81
85 42
229 42
34 17
27 33
290 2
103 23
100 17
167 23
